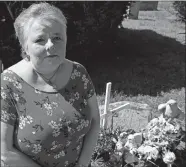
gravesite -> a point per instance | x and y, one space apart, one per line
92 83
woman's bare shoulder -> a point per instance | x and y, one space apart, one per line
19 68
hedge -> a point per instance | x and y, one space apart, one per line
90 23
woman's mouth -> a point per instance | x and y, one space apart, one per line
51 56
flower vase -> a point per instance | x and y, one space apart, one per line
169 165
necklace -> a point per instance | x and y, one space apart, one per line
49 80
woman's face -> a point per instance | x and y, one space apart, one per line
46 44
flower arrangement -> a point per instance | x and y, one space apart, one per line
160 140
160 144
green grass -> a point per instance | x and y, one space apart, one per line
147 62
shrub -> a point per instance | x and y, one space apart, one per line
179 6
105 151
89 23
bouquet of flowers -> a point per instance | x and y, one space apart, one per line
158 141
160 144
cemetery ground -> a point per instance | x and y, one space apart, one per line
146 64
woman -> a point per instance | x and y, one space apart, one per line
49 111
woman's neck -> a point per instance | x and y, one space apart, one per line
49 76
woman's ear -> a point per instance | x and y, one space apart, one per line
24 55
25 49
27 58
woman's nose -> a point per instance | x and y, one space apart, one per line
49 45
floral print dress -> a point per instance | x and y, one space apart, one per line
49 126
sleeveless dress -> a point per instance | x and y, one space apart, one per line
49 126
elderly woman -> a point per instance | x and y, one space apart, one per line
49 111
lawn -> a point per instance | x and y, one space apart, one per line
147 62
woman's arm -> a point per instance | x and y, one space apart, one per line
9 155
91 137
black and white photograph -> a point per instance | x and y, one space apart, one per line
92 83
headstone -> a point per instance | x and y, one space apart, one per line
134 10
149 5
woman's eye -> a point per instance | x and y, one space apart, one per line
39 40
57 38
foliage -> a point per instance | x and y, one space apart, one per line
105 146
180 8
105 151
94 19
89 24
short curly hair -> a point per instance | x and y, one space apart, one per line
37 10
